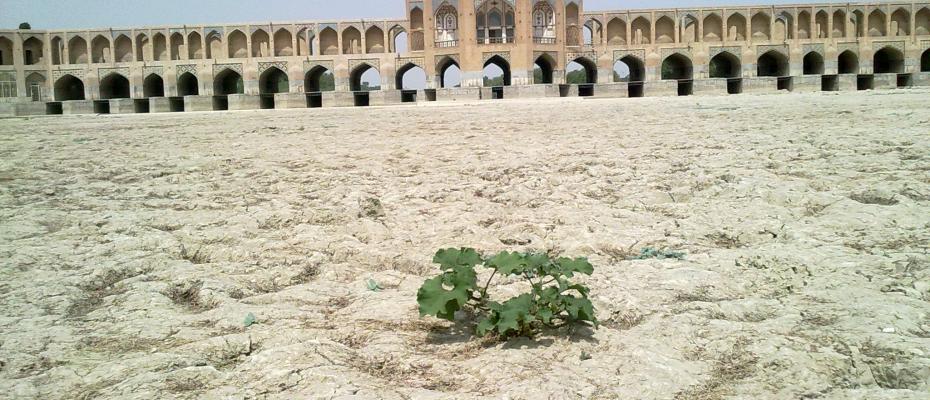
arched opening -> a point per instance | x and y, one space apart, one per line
447 24
142 46
351 41
642 32
100 49
542 69
260 44
925 61
227 82
329 41
888 60
496 72
877 24
283 43
195 46
588 35
123 49
319 79
821 25
416 28
6 51
77 50
32 51
901 22
784 27
153 86
177 40
495 22
188 85
616 32
374 40
304 42
595 32
813 63
69 88
725 65
399 40
35 86
713 28
272 81
665 30
450 75
57 50
573 31
736 25
677 67
859 23
215 48
581 71
761 27
804 25
365 78
160 47
772 63
689 29
410 77
922 22
839 24
114 86
848 63
238 45
629 69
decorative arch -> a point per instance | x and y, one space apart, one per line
33 50
123 47
188 85
319 79
329 41
888 60
629 69
736 27
195 46
821 26
228 82
642 31
761 27
677 66
214 46
176 43
57 50
543 21
665 30
261 44
804 25
589 67
237 44
142 45
68 88
839 24
901 22
374 40
772 63
922 22
114 86
100 49
446 67
689 29
501 63
351 41
784 27
876 26
399 39
273 80
77 50
153 86
813 63
411 68
495 22
159 47
416 29
925 61
713 28
355 77
447 23
283 43
573 34
848 62
616 32
725 65
305 42
543 67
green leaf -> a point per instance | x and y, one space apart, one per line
579 309
374 286
570 266
249 320
508 263
486 326
434 299
449 258
545 315
515 314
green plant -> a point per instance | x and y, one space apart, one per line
649 252
552 302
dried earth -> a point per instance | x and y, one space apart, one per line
132 248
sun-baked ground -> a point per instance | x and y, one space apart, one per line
133 248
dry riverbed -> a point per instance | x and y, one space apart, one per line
132 249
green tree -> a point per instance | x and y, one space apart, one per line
25 26
576 77
327 82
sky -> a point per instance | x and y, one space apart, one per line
71 14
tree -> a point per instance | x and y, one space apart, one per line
25 26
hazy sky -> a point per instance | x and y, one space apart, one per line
62 14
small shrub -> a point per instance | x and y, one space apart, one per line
649 252
553 301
